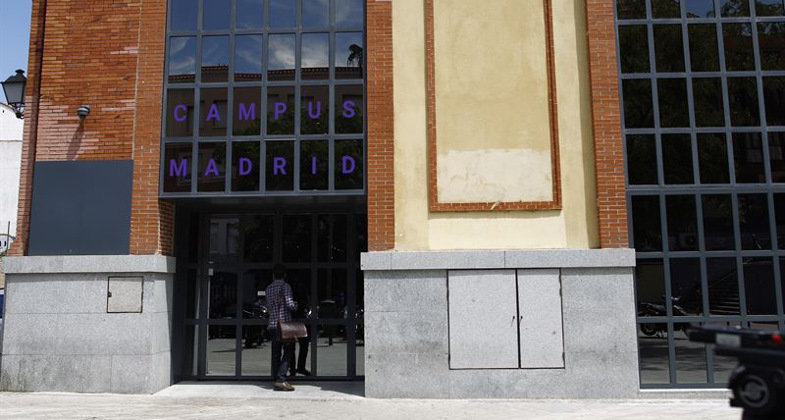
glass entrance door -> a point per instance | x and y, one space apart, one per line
321 253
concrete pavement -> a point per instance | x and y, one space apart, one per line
337 401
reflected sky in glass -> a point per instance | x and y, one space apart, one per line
316 13
183 13
349 13
217 14
248 54
281 52
215 51
315 50
250 14
283 13
182 56
345 54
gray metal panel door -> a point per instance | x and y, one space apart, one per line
483 312
540 306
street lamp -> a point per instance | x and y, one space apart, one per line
14 88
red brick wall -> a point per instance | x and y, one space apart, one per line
606 119
108 55
381 189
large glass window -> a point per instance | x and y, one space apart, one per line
267 95
703 100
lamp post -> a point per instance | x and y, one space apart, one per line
14 88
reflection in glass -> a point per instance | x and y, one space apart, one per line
212 109
779 217
646 223
707 94
724 365
283 13
279 174
349 58
673 103
221 345
722 278
713 158
700 8
349 13
183 15
258 238
665 9
349 164
649 285
734 8
316 13
331 293
297 238
314 165
737 38
631 9
634 50
774 99
215 58
768 7
743 97
754 221
216 14
180 113
668 48
191 294
641 159
686 286
250 14
191 353
280 110
638 110
682 222
690 361
256 358
759 286
777 156
177 167
212 167
704 54
748 157
314 109
223 288
280 57
315 56
653 352
718 222
182 59
771 45
247 57
247 111
349 109
245 165
677 158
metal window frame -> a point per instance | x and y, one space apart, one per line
698 190
297 83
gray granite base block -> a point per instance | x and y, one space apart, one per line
407 334
58 335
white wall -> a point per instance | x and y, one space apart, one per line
10 163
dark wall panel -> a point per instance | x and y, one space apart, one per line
81 208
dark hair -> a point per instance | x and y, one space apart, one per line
279 271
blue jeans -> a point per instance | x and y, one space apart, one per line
282 356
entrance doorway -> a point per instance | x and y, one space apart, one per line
226 310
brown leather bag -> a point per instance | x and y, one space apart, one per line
290 331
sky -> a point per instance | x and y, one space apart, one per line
15 21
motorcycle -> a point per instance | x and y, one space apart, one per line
650 329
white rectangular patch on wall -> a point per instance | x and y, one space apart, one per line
124 295
540 306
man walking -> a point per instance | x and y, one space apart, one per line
280 305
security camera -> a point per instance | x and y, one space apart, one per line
83 111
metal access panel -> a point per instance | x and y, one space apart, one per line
540 306
124 295
483 319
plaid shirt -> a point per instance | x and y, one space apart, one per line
280 302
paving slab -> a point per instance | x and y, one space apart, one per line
336 401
